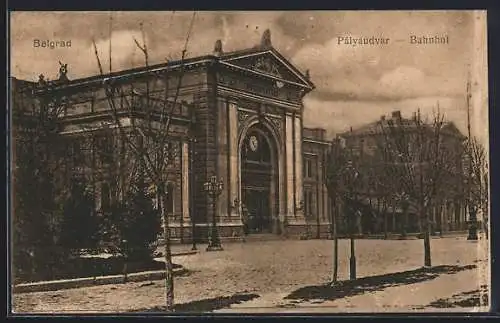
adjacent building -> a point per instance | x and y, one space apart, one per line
386 214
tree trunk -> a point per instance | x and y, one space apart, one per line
403 222
169 278
384 208
427 238
335 241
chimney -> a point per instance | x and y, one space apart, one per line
396 115
218 48
414 116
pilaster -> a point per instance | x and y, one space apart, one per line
234 180
185 182
290 187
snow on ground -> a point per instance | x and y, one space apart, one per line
273 269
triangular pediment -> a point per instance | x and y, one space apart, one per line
269 63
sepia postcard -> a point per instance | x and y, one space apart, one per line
249 162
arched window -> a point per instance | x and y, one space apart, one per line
256 148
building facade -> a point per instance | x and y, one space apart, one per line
383 214
237 116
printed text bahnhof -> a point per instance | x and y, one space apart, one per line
375 41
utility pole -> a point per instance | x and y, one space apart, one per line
110 36
352 173
471 203
333 158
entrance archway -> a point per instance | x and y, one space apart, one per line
259 178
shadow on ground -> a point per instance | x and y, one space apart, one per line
206 305
475 298
371 284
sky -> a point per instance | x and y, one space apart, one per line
354 84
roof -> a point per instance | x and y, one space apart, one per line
233 59
271 51
376 127
143 70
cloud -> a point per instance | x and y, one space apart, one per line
411 82
353 84
166 34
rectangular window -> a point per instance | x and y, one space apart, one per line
105 148
105 197
169 207
310 210
308 203
77 152
308 168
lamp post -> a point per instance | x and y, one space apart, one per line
352 175
472 222
472 213
405 203
214 189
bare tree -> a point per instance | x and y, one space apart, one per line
379 187
423 156
478 178
335 162
142 114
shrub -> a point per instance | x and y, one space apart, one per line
132 225
80 227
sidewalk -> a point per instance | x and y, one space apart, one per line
53 285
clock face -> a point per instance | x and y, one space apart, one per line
280 84
253 143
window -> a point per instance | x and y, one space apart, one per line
76 152
308 168
105 148
105 197
257 148
169 207
308 203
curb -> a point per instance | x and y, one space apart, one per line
178 254
185 253
93 281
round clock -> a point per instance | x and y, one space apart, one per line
280 84
253 143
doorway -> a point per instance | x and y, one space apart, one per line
258 180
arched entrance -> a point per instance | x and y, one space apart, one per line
259 178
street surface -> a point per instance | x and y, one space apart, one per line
262 276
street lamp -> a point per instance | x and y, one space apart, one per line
405 203
472 222
352 174
214 189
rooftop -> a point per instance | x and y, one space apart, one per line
395 119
